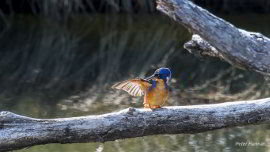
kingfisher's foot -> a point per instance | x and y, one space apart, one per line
146 105
151 107
154 107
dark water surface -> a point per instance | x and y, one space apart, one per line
53 69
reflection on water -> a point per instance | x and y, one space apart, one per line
220 140
51 69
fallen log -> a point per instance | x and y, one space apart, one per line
18 131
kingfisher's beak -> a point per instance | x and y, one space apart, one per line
148 78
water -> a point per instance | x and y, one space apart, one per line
52 69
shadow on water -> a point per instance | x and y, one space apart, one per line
53 69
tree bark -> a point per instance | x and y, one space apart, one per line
19 131
244 49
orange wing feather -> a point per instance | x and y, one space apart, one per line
135 87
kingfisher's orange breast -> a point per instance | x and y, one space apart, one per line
157 96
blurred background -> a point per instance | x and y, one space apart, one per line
59 58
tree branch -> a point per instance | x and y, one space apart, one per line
244 49
201 48
19 131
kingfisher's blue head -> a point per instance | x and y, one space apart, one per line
162 73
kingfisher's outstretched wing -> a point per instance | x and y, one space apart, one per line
135 87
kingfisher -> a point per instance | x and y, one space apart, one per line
154 88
